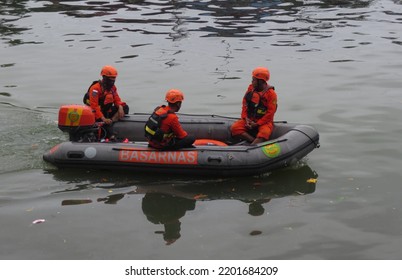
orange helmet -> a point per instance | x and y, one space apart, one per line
261 73
174 95
109 71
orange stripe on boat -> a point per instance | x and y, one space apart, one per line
159 157
54 149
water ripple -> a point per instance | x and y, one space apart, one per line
214 18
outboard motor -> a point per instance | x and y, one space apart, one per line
79 122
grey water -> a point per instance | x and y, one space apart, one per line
336 65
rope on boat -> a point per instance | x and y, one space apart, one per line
316 143
211 148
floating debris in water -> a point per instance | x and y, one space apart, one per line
39 221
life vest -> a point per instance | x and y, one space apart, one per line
152 127
85 99
256 109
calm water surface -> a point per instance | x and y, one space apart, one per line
335 65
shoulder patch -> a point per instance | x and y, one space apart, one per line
94 93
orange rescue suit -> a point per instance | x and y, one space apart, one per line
99 98
265 105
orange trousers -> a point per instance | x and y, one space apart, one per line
239 127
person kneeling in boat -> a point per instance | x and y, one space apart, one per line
103 98
259 105
163 129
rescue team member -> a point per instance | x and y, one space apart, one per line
258 109
163 129
103 98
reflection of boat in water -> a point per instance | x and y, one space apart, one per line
279 183
166 202
167 205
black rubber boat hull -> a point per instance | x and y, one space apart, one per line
289 144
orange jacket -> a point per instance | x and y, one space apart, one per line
268 100
169 125
98 97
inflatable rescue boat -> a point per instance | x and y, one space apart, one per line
215 152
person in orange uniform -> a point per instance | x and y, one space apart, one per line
163 129
258 109
104 99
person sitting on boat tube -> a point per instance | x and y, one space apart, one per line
163 129
259 105
103 98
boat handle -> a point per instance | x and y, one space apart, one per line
75 154
218 159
